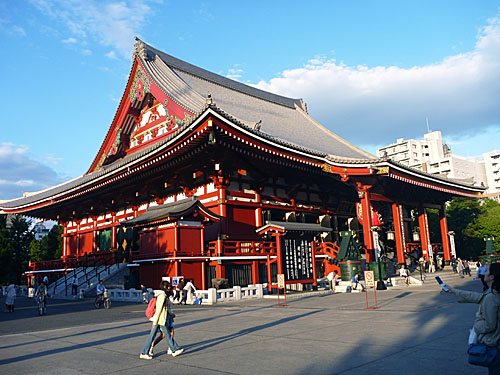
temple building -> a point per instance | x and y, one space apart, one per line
205 177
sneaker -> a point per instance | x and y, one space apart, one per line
169 351
145 356
177 352
151 352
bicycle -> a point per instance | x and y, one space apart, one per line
103 300
42 305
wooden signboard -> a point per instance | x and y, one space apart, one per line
297 259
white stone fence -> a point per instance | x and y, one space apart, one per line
208 297
212 295
130 295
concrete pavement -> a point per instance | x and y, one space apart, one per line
416 330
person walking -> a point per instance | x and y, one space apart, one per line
466 267
179 290
432 267
188 291
169 325
74 286
11 297
159 320
486 323
439 262
453 264
460 268
422 263
481 274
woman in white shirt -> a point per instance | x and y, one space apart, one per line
403 272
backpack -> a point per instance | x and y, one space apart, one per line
151 309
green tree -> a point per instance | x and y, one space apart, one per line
487 224
54 242
20 237
434 225
5 253
36 253
460 213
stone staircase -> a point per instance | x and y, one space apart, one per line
88 278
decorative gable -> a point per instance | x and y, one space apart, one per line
145 116
155 121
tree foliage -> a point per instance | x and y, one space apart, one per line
49 247
19 236
487 224
5 251
18 246
472 220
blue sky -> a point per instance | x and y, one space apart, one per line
371 71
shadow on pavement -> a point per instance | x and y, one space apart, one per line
435 320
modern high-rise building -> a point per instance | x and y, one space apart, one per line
433 156
492 168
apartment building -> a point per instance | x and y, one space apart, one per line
433 156
492 168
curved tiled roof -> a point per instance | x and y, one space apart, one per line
280 117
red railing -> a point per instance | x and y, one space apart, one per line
240 248
88 260
326 248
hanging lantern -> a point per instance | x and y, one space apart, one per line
390 235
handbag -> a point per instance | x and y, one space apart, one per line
483 355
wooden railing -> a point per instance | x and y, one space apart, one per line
326 248
88 260
240 248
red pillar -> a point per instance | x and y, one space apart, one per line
278 251
444 233
424 231
255 272
364 195
397 215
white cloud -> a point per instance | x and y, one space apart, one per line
234 73
18 30
112 23
377 105
111 55
69 41
86 52
21 172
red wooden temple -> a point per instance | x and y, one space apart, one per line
195 164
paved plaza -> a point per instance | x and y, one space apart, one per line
415 330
